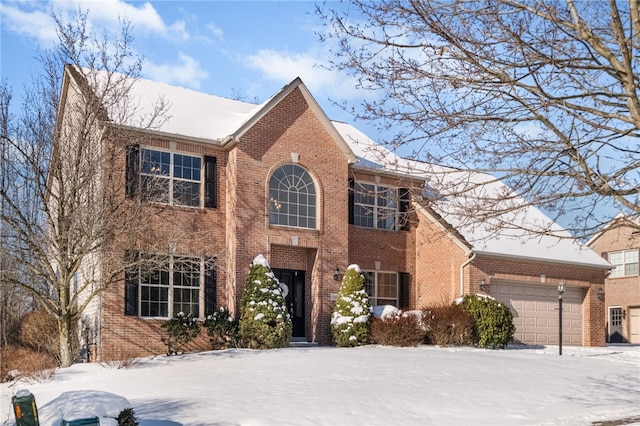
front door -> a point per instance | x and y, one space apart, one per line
294 280
615 325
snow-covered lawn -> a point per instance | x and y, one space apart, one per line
371 385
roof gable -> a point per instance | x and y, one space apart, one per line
313 104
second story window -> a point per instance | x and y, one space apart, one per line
375 206
625 262
170 177
292 197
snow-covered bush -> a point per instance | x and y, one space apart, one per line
447 325
351 318
492 321
265 322
181 329
222 329
398 329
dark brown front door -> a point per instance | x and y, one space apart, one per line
294 280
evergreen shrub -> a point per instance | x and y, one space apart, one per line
447 325
223 329
403 329
181 329
492 321
351 318
265 322
127 417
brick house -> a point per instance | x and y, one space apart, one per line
314 196
619 242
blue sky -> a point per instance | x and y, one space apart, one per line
236 49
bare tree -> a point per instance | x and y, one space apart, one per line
541 94
64 213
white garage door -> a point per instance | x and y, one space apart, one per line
634 325
535 312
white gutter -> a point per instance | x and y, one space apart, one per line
468 261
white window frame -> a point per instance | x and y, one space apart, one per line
172 180
171 286
372 286
370 202
624 261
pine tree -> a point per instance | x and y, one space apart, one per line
351 319
265 322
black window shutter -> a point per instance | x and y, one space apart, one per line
132 173
210 190
209 287
405 196
405 285
131 280
352 184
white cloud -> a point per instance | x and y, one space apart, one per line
33 19
35 23
215 30
186 72
285 66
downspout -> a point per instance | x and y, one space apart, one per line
468 261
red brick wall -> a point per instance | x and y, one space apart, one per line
191 231
291 127
438 261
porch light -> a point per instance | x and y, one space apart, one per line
560 292
336 274
600 293
484 286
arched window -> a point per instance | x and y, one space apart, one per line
292 197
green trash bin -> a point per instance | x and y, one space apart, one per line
25 409
89 421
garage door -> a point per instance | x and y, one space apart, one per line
535 312
634 325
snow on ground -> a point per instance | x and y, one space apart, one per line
370 385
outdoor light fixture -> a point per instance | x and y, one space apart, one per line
560 292
600 293
484 286
336 274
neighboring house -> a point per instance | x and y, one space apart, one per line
314 196
619 242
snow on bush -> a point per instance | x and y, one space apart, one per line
83 404
265 322
351 318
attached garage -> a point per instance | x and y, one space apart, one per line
535 312
634 325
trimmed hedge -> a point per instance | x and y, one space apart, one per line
447 325
403 329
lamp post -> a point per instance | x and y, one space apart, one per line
560 291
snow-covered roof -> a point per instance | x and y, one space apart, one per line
212 118
490 238
193 114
